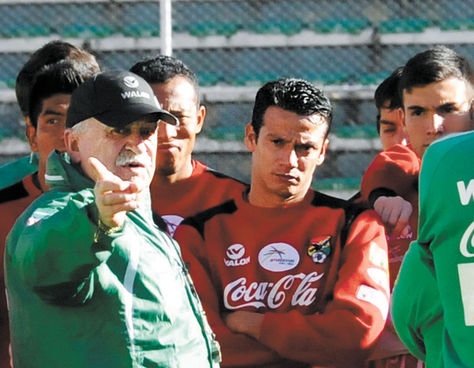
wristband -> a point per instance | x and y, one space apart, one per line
107 229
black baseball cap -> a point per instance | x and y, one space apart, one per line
116 98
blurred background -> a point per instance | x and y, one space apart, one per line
346 47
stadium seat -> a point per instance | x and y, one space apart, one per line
457 24
209 18
148 29
403 25
24 30
227 133
356 131
102 30
340 183
256 78
354 25
208 28
86 31
373 78
209 79
11 82
333 78
276 25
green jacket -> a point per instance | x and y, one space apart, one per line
433 302
17 170
81 298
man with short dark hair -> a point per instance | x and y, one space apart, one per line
182 186
389 111
49 101
91 281
289 277
437 92
50 53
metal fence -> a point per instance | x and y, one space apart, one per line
345 46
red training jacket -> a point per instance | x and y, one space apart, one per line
13 201
205 188
316 270
395 172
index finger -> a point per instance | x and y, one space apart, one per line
100 171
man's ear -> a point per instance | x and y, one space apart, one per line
201 115
322 154
30 132
71 140
250 137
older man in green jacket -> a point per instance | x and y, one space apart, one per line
91 280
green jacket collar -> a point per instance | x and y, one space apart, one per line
61 174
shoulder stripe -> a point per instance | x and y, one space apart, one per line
351 210
13 192
53 177
324 200
198 221
220 175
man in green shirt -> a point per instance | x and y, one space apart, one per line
91 280
444 248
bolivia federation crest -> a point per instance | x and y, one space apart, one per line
319 248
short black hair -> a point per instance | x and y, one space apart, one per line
50 53
434 65
61 77
162 68
295 95
388 91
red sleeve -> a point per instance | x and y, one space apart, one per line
395 169
343 335
237 349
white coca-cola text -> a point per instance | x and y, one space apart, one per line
239 294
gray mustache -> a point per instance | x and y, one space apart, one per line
128 157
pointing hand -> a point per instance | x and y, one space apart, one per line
113 196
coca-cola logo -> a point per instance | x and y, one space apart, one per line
240 294
278 257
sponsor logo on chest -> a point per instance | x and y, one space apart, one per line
278 257
297 290
235 256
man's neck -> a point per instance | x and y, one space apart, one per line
39 181
170 178
273 200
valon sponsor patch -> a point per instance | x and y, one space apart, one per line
235 256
